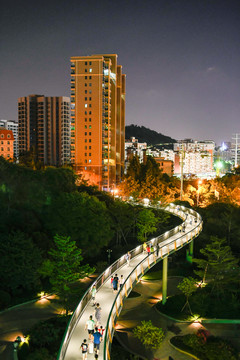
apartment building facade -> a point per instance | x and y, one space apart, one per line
13 126
44 125
6 144
98 119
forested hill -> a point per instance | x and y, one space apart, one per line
144 134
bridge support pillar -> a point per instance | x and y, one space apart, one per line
164 280
189 254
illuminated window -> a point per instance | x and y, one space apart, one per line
85 126
90 126
90 91
85 105
89 161
85 168
90 70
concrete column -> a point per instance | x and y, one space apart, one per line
190 252
164 280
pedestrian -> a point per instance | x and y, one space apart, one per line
144 247
180 228
94 291
158 248
111 282
148 250
151 249
84 347
128 257
89 326
115 283
190 222
95 356
97 338
183 227
98 311
101 330
121 281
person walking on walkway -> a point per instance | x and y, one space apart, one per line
180 228
90 326
97 338
121 281
144 246
111 282
158 248
128 257
148 250
84 347
98 311
115 283
94 291
151 249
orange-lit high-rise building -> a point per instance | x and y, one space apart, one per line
98 119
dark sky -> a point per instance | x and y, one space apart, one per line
181 58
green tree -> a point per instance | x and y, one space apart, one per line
63 267
219 263
187 287
19 262
146 224
149 335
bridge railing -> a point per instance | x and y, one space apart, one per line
140 269
179 211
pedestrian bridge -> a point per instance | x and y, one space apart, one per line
112 304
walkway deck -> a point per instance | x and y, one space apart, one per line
105 296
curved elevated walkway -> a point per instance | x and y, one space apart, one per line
111 304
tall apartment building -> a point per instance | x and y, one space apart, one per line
98 119
13 126
197 157
44 124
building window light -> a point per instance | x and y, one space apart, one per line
90 70
85 105
89 161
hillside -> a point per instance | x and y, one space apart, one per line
144 134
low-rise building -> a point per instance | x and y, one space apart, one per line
12 125
6 144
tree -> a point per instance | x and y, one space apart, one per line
146 224
222 266
149 335
19 262
187 287
63 267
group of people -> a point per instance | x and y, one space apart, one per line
117 282
95 335
149 249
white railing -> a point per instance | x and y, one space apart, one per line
167 246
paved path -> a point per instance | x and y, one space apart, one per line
106 298
142 308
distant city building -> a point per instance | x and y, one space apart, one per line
13 126
98 119
134 148
235 150
44 125
6 144
166 166
197 158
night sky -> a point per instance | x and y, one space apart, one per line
181 58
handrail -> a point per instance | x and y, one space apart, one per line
136 274
180 211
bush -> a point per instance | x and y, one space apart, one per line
213 349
